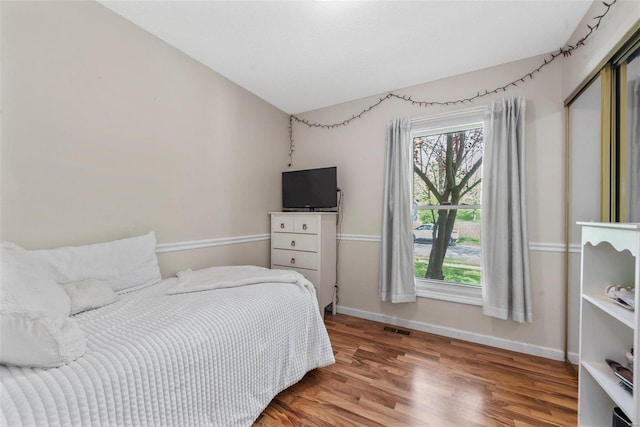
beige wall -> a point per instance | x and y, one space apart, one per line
358 151
622 18
109 132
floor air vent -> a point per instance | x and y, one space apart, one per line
397 330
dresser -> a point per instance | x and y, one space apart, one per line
306 242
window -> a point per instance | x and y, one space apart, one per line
447 168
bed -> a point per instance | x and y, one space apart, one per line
212 357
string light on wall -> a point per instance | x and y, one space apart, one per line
562 52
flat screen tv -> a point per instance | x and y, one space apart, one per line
310 189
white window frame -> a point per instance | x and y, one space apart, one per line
442 123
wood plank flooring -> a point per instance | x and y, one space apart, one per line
383 378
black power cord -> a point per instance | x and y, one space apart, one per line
339 224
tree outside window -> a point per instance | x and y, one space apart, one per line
446 188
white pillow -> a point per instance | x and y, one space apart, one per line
25 283
35 329
89 294
125 264
34 339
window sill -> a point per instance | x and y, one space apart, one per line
461 294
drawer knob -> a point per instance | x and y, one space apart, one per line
282 225
293 261
304 226
293 243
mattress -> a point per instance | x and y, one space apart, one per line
204 358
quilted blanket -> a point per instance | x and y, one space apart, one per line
213 358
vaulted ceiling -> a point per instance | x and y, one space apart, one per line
304 55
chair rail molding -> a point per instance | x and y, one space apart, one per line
222 241
208 243
533 246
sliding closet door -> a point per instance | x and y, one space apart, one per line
603 162
584 190
629 111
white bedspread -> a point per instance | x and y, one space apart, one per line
204 358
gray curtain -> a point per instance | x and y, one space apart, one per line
397 282
633 114
506 284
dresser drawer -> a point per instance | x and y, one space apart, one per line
297 242
282 224
294 224
292 259
305 224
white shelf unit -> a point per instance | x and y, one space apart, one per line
306 242
610 255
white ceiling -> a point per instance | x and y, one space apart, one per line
304 55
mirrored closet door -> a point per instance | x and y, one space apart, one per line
603 162
584 188
629 107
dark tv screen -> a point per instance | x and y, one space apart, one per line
310 189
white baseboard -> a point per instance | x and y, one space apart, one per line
573 358
546 352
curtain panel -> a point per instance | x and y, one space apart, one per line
397 281
506 283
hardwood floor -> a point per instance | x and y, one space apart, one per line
383 378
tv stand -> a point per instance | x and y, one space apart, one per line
306 242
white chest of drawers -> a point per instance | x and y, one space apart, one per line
306 242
